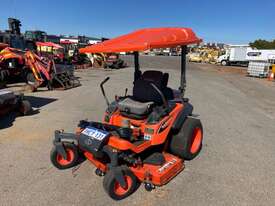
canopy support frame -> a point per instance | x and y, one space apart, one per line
137 67
182 87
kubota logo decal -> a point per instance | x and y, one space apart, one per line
164 125
167 165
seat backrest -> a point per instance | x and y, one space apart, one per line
157 77
153 76
165 79
143 91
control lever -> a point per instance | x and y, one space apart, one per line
103 91
126 90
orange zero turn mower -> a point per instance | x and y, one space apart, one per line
144 137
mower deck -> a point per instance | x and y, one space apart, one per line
159 173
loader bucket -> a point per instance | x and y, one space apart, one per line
63 77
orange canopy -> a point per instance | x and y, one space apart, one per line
145 39
49 44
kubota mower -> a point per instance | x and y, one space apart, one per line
144 137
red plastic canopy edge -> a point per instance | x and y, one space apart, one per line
145 39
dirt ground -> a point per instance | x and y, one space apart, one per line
235 167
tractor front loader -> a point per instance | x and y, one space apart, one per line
35 70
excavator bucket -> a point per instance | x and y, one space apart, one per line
39 71
46 72
63 77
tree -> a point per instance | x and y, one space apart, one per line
263 44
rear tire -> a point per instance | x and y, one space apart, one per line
25 107
31 82
30 79
105 66
114 189
2 84
72 157
187 143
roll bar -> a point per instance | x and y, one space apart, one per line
137 67
183 70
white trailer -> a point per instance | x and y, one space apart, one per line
260 55
234 55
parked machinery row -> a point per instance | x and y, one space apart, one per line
36 71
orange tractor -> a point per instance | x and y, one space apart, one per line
144 137
35 70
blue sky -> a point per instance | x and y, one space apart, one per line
228 21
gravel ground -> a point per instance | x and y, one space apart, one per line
235 167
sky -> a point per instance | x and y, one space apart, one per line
230 21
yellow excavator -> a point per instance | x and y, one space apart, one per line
204 54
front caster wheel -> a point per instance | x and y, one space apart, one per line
72 157
117 191
149 187
99 172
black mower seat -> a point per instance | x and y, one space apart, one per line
130 106
140 105
160 80
145 96
156 77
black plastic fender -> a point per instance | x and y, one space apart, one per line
61 150
59 138
187 111
113 165
119 176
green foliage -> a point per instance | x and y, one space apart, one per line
263 44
